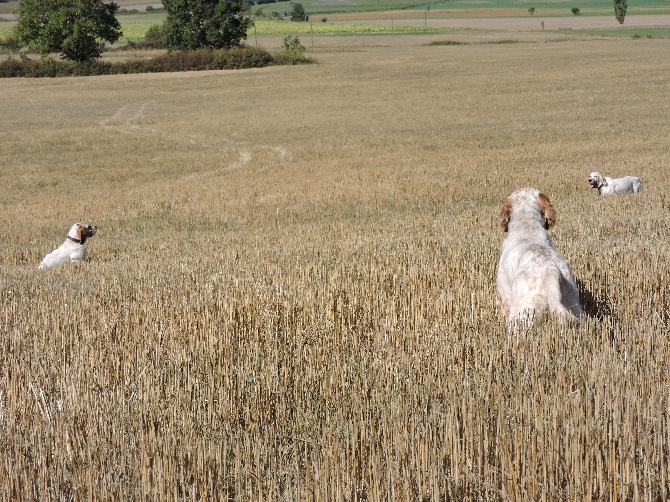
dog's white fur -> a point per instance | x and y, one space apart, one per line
613 186
532 274
72 250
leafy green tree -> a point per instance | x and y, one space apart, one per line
298 13
154 36
620 7
75 28
199 24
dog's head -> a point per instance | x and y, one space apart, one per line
597 180
527 203
81 231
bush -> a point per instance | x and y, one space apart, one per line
12 67
446 42
51 68
154 37
575 11
10 43
197 60
294 51
241 57
202 59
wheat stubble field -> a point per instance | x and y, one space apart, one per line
291 295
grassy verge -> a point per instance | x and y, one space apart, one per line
270 27
655 32
135 31
5 31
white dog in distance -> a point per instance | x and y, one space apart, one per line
614 186
72 250
532 274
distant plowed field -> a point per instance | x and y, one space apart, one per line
436 19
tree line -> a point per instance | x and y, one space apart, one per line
78 29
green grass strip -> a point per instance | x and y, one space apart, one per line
5 31
623 32
276 27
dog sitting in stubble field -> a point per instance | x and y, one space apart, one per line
532 274
614 186
72 250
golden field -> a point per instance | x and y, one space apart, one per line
291 295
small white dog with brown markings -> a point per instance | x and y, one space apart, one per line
532 274
73 249
614 186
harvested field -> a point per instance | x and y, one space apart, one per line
291 294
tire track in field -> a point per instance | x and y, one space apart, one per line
126 121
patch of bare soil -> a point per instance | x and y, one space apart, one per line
504 20
550 23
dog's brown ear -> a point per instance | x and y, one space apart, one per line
81 232
505 215
548 211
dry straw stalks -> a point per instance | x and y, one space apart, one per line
291 292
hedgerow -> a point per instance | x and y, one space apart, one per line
198 60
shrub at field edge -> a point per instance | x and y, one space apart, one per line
199 60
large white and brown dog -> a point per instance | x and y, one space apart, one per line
614 186
72 250
533 275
